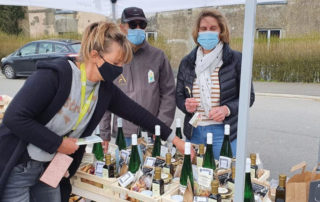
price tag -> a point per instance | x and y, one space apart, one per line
99 168
150 161
225 162
195 119
163 151
126 179
205 176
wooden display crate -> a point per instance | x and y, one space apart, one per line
120 191
93 183
167 196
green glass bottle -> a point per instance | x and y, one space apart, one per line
120 140
281 189
134 163
97 149
208 160
226 150
248 191
157 143
214 196
186 171
178 128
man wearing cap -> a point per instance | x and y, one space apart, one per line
148 79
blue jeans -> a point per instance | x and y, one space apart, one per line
23 185
199 136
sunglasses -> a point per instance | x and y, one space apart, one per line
134 24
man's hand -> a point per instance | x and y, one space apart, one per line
191 105
218 113
105 145
180 146
68 146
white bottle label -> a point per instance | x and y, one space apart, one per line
253 173
212 200
205 176
105 173
126 179
225 162
155 189
166 170
199 161
163 151
99 168
231 186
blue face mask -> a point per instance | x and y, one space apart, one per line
208 40
136 36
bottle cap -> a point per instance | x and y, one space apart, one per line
282 177
209 138
187 148
157 128
178 123
134 139
227 129
119 122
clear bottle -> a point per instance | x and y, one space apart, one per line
254 167
200 155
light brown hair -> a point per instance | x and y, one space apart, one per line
99 36
222 22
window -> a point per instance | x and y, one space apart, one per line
45 47
151 36
269 33
59 48
28 49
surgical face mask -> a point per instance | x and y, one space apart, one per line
136 36
109 72
208 40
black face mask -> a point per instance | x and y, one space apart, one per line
109 72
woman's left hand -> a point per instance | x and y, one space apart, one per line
180 146
218 113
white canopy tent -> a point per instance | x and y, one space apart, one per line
105 7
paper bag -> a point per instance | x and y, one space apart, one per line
297 188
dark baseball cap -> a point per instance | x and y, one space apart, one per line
133 13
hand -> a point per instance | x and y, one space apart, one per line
218 113
180 146
68 146
191 105
105 145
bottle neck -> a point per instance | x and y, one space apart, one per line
168 160
157 176
214 190
233 174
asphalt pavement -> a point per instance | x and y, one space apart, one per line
283 124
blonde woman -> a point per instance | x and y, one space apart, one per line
59 103
208 82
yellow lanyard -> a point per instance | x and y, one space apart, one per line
84 105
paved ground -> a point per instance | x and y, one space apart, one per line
284 130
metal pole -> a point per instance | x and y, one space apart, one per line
114 12
244 100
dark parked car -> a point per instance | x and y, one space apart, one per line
22 62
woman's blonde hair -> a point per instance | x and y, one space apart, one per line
99 36
222 21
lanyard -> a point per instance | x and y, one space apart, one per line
84 104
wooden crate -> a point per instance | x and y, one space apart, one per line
167 196
120 191
93 183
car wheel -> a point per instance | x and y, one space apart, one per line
9 72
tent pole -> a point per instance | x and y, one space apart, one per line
244 100
113 3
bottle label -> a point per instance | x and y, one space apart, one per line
200 199
126 179
205 176
163 151
150 161
212 200
199 161
155 189
105 173
166 170
253 173
99 168
225 162
231 186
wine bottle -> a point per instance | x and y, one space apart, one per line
97 149
226 150
186 171
254 167
120 140
214 196
134 163
230 181
168 167
157 143
157 183
178 128
208 161
281 189
108 168
248 191
200 155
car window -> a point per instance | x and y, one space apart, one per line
76 47
28 49
45 47
60 48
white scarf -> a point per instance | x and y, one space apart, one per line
205 65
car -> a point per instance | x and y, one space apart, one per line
23 61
